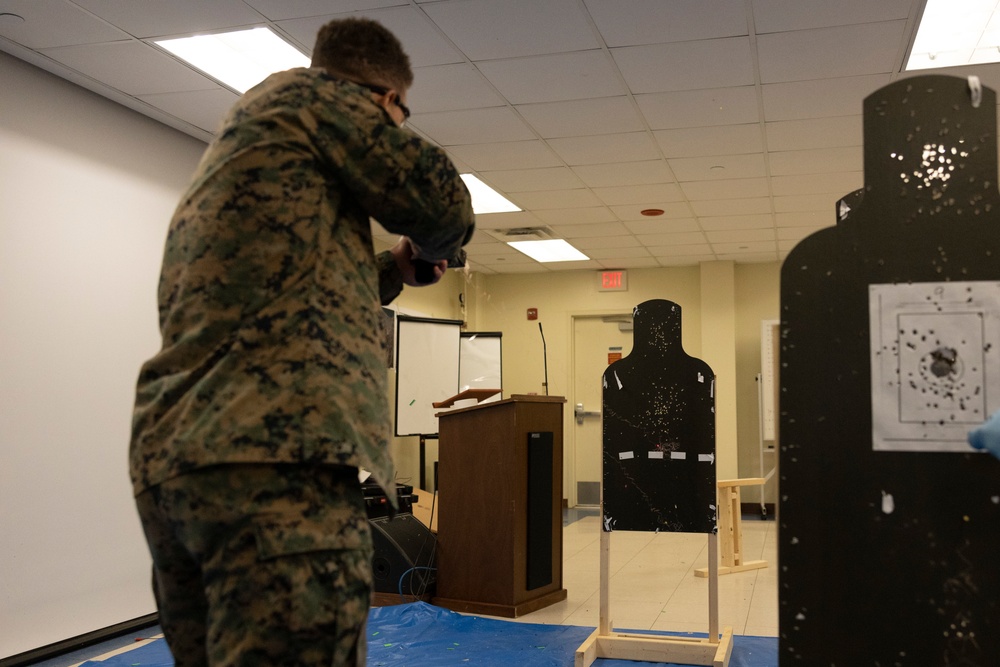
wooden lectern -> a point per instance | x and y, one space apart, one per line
500 516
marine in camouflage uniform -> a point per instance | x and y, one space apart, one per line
270 389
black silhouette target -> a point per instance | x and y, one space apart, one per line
659 431
889 523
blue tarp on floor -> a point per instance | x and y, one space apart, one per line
421 635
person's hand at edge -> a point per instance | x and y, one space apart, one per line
405 254
987 435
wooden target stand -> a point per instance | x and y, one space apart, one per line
731 528
712 651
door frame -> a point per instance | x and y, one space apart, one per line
569 421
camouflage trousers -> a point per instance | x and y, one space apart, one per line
261 565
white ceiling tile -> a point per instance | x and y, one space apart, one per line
628 22
537 104
556 199
674 238
420 38
569 216
290 9
782 15
741 235
680 261
819 99
787 246
736 222
619 241
480 239
812 219
505 155
662 226
475 267
639 194
591 230
529 266
573 266
744 246
710 63
628 263
813 184
699 108
799 203
555 77
54 23
680 250
719 167
531 180
201 108
748 257
605 148
449 128
702 141
824 53
605 115
624 173
490 250
150 18
719 207
508 220
132 67
671 211
794 234
740 188
617 253
487 30
816 161
814 133
449 88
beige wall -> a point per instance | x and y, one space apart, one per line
720 302
757 299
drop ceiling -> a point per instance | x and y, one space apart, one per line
739 119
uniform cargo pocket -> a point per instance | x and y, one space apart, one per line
280 535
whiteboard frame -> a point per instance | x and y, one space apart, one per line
427 371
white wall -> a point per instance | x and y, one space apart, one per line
87 188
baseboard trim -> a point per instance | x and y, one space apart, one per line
751 509
80 641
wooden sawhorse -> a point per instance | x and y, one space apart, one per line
731 528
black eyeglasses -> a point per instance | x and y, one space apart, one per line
379 90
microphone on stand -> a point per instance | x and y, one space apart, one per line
545 360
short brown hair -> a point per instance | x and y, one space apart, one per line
363 51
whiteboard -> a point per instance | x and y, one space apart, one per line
480 361
427 359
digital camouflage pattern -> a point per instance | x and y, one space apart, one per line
261 565
270 292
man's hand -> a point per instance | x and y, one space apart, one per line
405 255
987 436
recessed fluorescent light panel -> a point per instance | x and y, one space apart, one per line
555 250
239 59
485 199
953 33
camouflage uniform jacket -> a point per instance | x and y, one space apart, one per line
270 291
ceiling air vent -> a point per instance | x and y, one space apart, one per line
522 234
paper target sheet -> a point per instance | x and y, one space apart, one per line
935 363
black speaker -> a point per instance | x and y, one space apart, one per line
404 555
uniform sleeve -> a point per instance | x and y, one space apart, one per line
390 278
406 183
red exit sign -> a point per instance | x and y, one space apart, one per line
613 281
